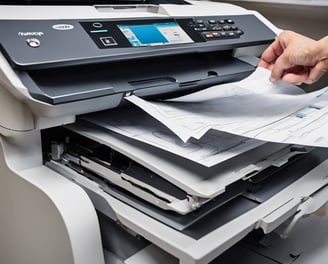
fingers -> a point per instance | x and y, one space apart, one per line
302 74
279 67
264 64
316 72
275 57
296 79
295 58
272 52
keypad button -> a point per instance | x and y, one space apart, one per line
209 35
200 29
217 29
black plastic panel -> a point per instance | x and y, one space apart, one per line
37 44
159 77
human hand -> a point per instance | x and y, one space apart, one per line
295 58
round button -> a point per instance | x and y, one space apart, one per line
97 25
33 43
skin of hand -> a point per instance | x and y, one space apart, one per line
295 58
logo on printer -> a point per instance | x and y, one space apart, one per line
30 34
62 27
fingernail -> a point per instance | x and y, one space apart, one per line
310 81
272 79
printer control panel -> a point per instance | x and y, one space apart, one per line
43 44
136 33
160 32
214 29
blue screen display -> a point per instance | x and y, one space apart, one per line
148 34
154 34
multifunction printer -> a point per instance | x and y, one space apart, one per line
73 192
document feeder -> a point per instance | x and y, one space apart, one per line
148 201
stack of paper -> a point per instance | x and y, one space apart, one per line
223 121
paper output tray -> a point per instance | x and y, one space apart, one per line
285 191
206 239
197 183
194 179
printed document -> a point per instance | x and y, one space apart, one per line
213 148
253 108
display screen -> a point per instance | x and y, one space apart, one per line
155 34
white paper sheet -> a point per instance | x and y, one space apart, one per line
253 107
215 147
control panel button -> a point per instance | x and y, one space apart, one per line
214 29
208 35
33 43
97 25
200 29
108 41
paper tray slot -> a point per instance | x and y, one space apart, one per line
150 87
194 179
146 83
212 215
116 169
89 157
158 177
155 77
177 221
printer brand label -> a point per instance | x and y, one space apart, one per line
62 27
30 34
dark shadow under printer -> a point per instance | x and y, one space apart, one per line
76 193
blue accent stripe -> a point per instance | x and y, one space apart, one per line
99 31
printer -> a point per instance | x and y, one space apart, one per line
72 192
